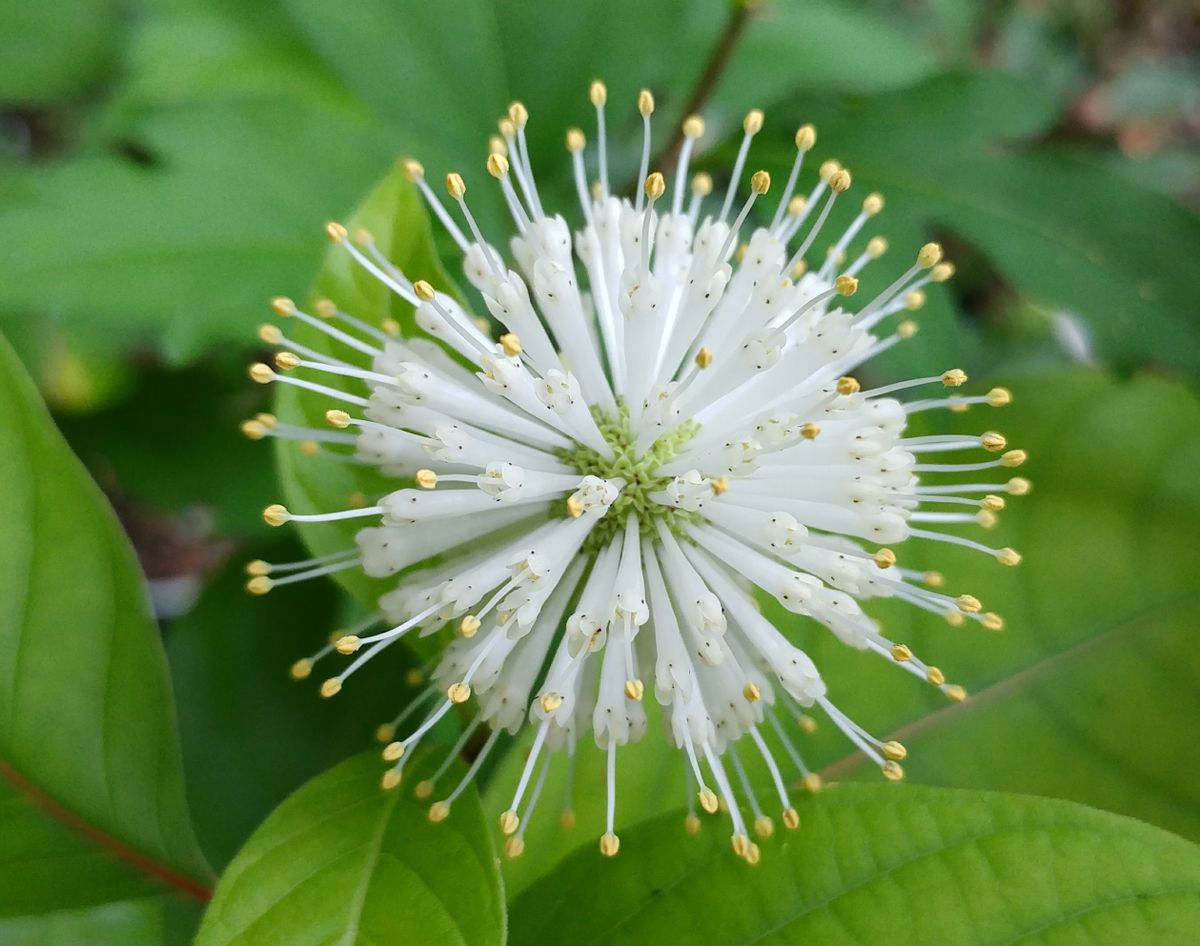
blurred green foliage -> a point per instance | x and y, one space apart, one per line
165 167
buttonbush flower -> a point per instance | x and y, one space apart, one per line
656 421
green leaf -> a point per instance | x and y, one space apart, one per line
53 50
89 760
128 923
344 861
393 213
240 711
953 155
882 864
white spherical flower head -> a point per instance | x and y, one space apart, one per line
659 421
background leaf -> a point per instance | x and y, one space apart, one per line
344 861
88 737
883 864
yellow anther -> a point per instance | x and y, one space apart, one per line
872 204
828 169
806 137
336 418
325 308
1007 556
385 733
424 290
764 827
509 822
753 854
986 518
258 567
812 783
691 824
810 431
708 800
992 441
414 677
846 285
941 272
259 585
363 237
645 102
751 692
262 374
456 187
892 771
439 811
308 448
518 114
496 145
276 515
719 485
993 503
839 181
301 669
575 140
934 579
413 169
390 780
390 327
393 751
884 558
286 360
999 397
702 184
598 93
610 844
550 702
929 255
760 182
954 618
270 334
1019 486
740 844
969 603
253 430
356 500
567 819
331 687
807 725
753 122
954 378
348 644
992 621
514 847
914 300
907 329
740 253
791 819
335 231
848 385
704 358
656 186
574 507
1014 458
796 206
634 689
267 420
935 676
693 127
506 128
954 692
876 247
497 165
510 344
469 625
895 751
458 692
426 479
901 652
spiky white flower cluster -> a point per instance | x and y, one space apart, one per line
667 423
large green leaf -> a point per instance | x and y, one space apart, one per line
51 51
1091 691
92 790
883 864
240 711
344 861
130 923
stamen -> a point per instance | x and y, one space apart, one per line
806 137
751 126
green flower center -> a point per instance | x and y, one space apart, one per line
640 474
